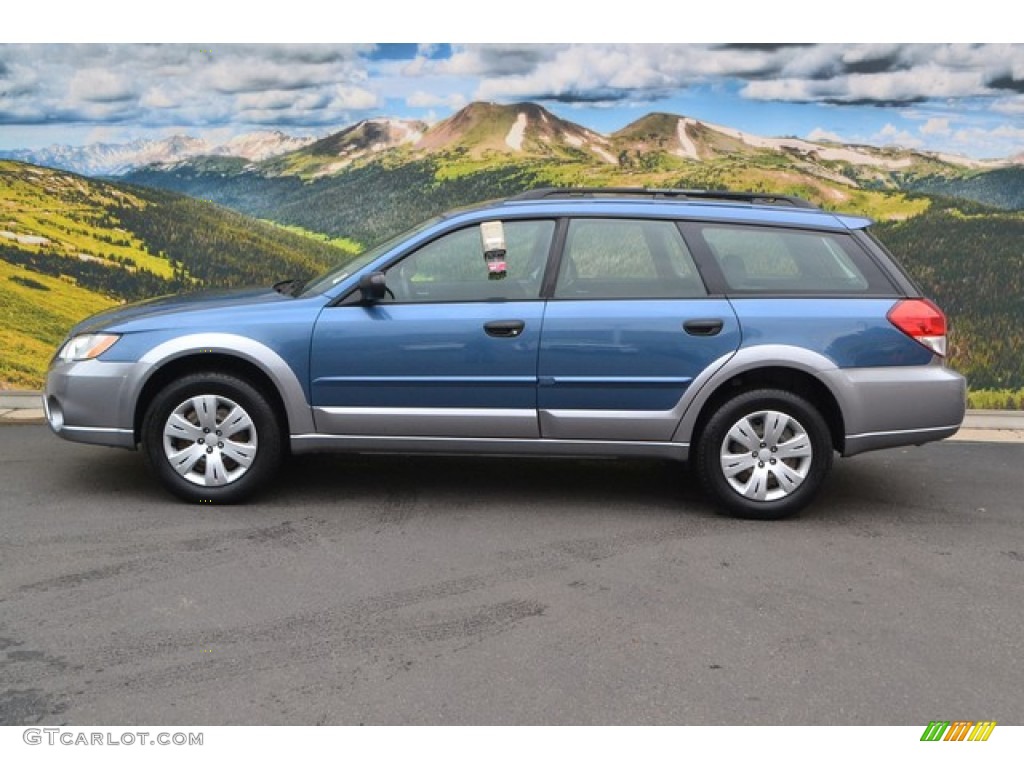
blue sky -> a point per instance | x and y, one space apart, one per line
962 98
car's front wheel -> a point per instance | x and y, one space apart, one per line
212 437
764 454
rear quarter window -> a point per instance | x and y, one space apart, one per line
768 260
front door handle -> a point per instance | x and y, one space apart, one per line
507 329
706 327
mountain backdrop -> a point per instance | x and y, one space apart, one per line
170 220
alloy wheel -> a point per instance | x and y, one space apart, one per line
766 455
210 440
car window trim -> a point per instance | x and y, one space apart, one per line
555 256
888 263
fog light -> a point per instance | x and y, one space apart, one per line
54 413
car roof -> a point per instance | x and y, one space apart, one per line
746 208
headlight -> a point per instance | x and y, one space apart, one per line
87 346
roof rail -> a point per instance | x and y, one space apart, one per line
768 198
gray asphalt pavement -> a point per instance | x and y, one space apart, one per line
458 591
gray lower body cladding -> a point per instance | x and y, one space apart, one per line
92 402
905 405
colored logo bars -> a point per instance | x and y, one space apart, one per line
958 730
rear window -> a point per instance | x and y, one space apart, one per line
768 260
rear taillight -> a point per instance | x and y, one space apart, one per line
922 321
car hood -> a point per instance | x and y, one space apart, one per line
202 301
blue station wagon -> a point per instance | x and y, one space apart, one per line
751 334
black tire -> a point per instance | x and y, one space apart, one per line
205 407
790 454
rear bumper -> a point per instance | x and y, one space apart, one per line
85 402
901 405
873 441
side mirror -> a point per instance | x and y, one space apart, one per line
373 287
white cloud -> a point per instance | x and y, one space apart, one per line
496 60
353 97
100 85
234 74
786 89
105 134
158 97
906 86
424 99
936 126
1013 132
177 84
265 100
1002 141
1011 106
584 73
845 74
891 136
153 86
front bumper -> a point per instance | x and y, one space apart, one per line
86 402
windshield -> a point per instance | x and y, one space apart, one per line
353 265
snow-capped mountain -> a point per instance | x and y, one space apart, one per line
261 145
518 129
116 159
362 140
525 132
109 159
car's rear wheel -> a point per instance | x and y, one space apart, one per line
212 437
764 454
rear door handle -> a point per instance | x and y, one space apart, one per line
707 327
507 329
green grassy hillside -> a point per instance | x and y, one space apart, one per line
35 312
71 246
1000 188
971 260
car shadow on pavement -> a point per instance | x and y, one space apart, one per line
859 488
458 481
439 482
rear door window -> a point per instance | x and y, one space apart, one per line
626 259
